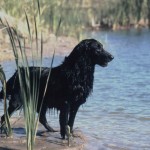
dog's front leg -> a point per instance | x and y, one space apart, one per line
63 118
72 115
73 111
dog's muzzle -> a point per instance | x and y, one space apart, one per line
110 57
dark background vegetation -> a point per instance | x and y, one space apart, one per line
111 14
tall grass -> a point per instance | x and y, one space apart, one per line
29 84
109 12
73 16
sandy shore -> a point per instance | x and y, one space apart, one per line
63 46
44 141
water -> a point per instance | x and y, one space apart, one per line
116 115
118 111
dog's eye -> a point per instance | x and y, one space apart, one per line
98 51
98 48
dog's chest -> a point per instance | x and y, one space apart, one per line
82 84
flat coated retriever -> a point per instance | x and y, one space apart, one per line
68 87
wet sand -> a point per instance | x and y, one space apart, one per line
44 140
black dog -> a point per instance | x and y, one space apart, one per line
69 84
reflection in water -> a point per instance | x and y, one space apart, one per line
117 115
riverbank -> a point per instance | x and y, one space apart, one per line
44 140
63 46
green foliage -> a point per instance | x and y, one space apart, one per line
77 14
50 12
122 12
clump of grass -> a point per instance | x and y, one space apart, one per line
29 85
28 94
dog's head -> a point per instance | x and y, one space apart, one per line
97 53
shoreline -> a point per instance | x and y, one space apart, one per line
44 140
63 46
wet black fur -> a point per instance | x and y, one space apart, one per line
69 85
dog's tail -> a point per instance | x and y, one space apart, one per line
2 78
1 95
9 86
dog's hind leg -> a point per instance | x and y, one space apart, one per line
11 109
43 120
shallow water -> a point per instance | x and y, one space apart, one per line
116 115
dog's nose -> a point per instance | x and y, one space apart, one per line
110 58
